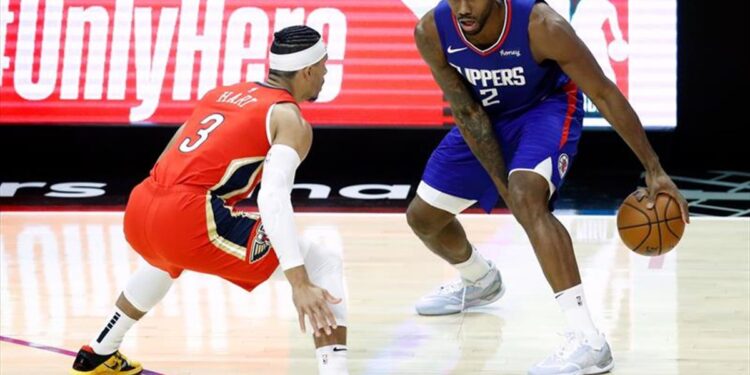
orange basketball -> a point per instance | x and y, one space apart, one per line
653 231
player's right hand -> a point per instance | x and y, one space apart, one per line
312 301
660 183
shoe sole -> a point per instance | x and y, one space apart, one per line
484 302
481 302
593 370
129 372
135 371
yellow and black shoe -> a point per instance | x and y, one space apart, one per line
89 363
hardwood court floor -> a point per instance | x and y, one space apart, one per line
685 313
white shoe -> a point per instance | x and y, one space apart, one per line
461 294
579 355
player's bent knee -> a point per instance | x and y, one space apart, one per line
324 266
414 220
519 196
146 287
527 206
419 222
320 256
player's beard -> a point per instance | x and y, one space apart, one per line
481 22
477 26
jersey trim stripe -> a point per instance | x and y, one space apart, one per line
503 34
268 123
239 177
571 89
230 230
215 207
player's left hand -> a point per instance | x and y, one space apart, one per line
312 301
660 183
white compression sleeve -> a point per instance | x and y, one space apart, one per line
147 286
275 204
324 265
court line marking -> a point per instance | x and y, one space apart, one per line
656 262
55 350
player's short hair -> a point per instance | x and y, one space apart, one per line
292 39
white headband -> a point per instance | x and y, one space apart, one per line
291 62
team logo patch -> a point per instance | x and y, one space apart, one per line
261 245
562 164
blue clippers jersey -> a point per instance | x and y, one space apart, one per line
504 78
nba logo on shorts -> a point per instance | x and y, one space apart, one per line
562 164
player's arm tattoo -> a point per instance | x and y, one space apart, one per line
475 127
470 117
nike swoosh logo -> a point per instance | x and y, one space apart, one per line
115 366
339 349
452 50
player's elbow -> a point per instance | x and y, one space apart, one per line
418 31
264 202
605 93
422 23
275 191
425 30
270 199
320 253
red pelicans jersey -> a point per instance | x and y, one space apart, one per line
180 217
224 142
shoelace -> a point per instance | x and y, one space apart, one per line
123 360
463 298
451 287
571 344
454 286
459 284
464 285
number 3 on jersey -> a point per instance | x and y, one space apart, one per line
215 120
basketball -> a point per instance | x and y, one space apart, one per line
653 231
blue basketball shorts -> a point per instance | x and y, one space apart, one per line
542 139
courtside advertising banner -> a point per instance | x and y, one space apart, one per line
125 62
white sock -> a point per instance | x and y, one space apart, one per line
110 337
146 287
573 304
332 360
473 268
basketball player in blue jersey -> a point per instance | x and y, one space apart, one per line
511 70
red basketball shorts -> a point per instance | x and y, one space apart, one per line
182 227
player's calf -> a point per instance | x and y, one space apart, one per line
146 287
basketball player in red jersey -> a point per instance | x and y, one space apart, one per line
181 216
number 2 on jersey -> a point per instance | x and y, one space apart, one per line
491 94
215 120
